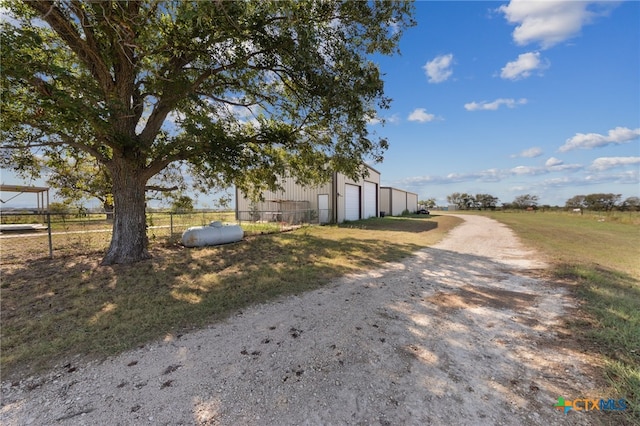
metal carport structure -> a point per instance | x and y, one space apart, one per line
39 190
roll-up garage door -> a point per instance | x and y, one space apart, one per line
370 200
351 202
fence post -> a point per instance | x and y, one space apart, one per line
49 233
170 225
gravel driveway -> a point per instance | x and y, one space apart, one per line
461 333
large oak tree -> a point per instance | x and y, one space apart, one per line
237 91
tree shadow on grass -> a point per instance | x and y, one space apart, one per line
399 224
54 309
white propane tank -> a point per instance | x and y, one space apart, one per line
214 234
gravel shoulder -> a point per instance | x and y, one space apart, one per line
466 332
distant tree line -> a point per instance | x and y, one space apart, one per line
464 201
429 203
595 202
603 202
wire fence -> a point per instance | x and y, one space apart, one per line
26 236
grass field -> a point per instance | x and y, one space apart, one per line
77 235
601 254
53 309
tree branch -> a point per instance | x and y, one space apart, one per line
87 26
161 188
65 140
157 165
92 59
227 101
166 103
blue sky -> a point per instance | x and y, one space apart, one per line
513 98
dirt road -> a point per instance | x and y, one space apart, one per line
462 333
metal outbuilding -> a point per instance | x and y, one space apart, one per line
394 201
338 200
40 191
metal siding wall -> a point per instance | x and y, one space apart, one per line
291 192
242 203
385 200
340 181
374 178
399 201
295 192
412 202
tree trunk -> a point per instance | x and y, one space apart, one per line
108 209
129 239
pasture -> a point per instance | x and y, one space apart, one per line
598 254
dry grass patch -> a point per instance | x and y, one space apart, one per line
54 309
599 255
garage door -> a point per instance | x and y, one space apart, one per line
351 202
370 200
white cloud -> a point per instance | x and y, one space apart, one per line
559 181
529 153
394 119
421 115
490 175
551 165
564 167
630 177
492 106
523 66
372 121
417 180
605 163
556 165
518 189
439 69
526 170
627 177
616 136
458 177
553 161
550 22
